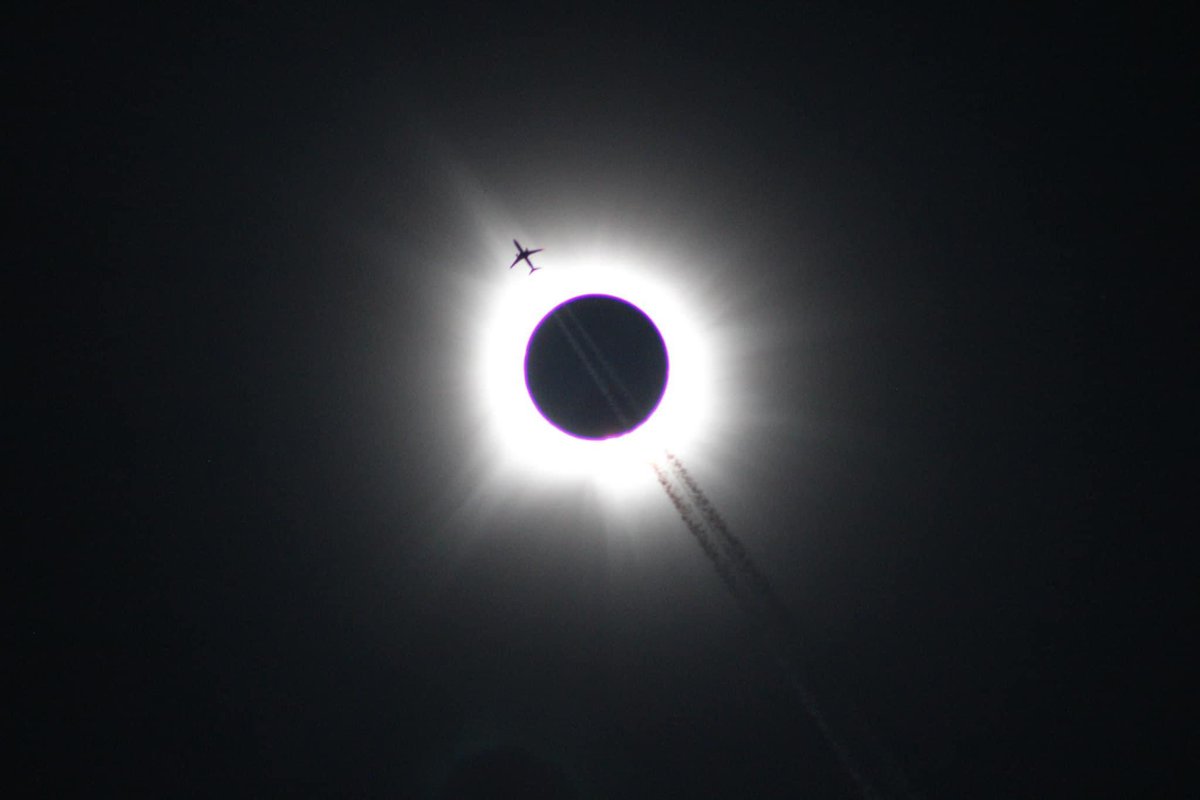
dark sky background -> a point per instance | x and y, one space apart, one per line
258 554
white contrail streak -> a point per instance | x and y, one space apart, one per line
605 364
622 418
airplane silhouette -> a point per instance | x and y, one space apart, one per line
522 253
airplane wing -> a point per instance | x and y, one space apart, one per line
540 249
515 260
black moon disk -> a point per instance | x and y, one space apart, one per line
596 367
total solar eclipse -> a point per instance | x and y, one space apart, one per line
596 367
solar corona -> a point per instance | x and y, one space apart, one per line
597 379
590 368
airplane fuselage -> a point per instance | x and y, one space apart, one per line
523 254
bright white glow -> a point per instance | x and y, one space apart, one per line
512 308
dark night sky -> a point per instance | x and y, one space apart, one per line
260 551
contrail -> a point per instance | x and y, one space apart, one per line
696 528
758 599
622 418
741 576
613 376
734 549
